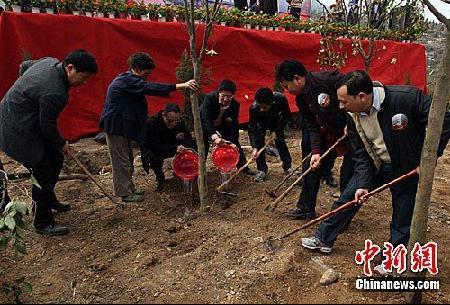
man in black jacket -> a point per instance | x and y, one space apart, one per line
124 119
167 135
386 129
28 129
270 111
318 104
219 113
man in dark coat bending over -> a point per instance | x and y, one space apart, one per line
167 135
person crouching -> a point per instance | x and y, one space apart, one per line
167 135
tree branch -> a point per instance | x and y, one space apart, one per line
438 15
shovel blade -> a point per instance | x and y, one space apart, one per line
228 193
273 244
271 194
269 208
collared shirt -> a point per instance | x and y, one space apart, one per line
371 126
378 98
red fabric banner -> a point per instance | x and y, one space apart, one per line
247 57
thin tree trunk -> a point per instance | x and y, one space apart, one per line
196 62
202 185
428 161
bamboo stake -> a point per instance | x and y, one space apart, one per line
220 187
81 165
273 192
349 204
271 208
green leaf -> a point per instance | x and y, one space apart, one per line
3 242
34 182
20 248
2 224
21 207
12 213
20 232
10 222
27 286
8 207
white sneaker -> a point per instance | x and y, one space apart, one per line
260 176
313 243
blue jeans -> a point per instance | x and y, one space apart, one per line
311 182
285 156
403 200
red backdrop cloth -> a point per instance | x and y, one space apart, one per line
247 57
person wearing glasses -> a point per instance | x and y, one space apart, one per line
219 113
124 119
167 135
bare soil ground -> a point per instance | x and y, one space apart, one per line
148 253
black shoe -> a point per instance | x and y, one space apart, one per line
159 185
330 181
298 213
52 230
248 171
61 207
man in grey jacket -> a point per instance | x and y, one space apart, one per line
28 126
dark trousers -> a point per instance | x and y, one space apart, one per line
231 135
295 12
157 159
311 182
46 173
280 144
4 198
403 200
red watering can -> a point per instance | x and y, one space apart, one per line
225 157
185 164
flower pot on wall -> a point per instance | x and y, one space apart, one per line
162 19
100 15
35 10
144 17
88 14
77 13
16 8
49 10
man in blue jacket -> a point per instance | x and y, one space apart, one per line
28 126
124 119
386 129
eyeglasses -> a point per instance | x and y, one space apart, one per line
170 121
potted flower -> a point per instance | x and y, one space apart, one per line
50 6
87 6
152 10
226 18
15 6
122 9
139 11
179 14
36 6
100 8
